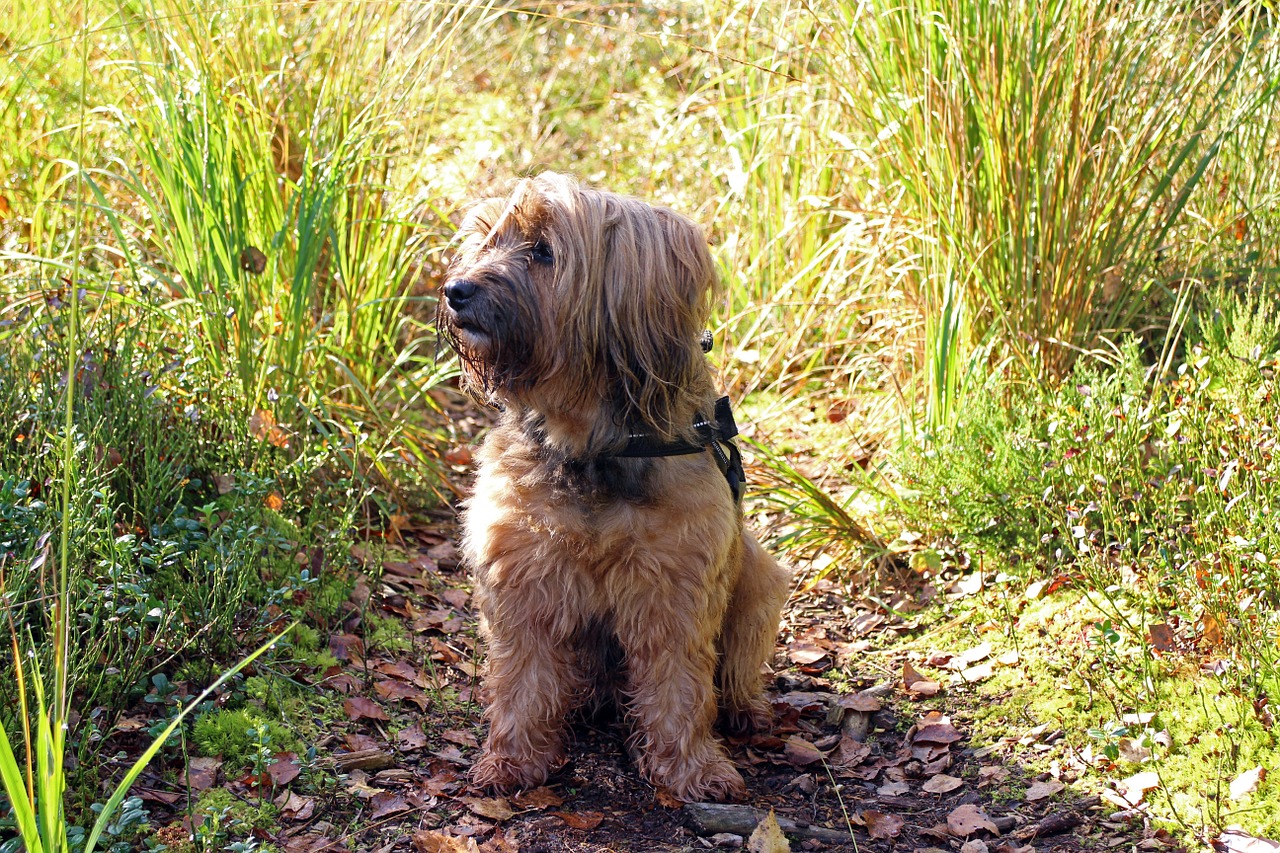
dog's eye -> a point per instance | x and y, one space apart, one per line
541 252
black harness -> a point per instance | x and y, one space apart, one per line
715 434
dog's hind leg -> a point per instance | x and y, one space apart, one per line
747 638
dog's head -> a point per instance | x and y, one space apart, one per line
563 296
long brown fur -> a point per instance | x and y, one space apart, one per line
577 313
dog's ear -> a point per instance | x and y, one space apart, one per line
658 281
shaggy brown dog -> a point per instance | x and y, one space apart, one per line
577 313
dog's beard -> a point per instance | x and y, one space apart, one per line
495 340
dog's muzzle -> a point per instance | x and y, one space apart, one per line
459 292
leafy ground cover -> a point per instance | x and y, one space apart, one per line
1001 315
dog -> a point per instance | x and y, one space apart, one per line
603 529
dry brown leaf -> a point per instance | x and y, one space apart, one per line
975 654
494 808
1162 638
294 806
991 774
358 707
388 803
285 769
864 702
430 841
411 738
580 820
974 846
538 798
801 753
937 731
941 784
968 819
882 826
804 653
1133 751
1210 631
202 773
916 684
851 753
1043 790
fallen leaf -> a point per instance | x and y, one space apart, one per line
968 819
801 753
252 260
580 820
851 753
941 784
990 775
882 826
202 773
460 456
1246 783
1210 630
284 769
358 707
893 789
864 702
917 684
430 841
294 806
1161 637
387 803
461 737
411 738
1133 751
936 730
538 798
767 837
494 808
974 674
804 653
1133 789
1042 790
1009 658
977 653
974 846
1236 840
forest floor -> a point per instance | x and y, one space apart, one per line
866 753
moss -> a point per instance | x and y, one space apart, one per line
238 735
223 812
386 634
1202 733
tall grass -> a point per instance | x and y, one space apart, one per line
1050 157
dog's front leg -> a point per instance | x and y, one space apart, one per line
667 630
533 678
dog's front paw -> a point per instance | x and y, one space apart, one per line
505 774
717 780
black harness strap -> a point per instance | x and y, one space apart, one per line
716 434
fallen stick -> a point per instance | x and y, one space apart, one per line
710 818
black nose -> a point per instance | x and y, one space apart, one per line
459 292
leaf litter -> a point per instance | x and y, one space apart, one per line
874 765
